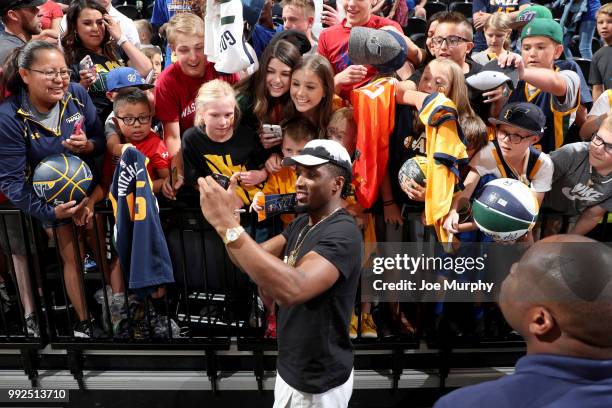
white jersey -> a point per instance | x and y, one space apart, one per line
223 40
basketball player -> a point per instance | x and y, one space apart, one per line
559 298
315 286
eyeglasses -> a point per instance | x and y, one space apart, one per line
51 75
513 137
451 40
131 120
598 141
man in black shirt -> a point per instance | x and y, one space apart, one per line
315 286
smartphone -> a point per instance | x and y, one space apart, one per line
222 179
332 4
77 126
274 129
86 64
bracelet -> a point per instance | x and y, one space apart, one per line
121 40
388 203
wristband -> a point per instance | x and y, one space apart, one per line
121 40
388 203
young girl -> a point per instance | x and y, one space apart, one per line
262 96
216 145
312 91
497 32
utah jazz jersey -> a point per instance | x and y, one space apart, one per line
446 151
490 164
557 122
138 235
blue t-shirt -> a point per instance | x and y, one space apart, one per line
262 36
541 381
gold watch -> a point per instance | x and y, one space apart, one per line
232 234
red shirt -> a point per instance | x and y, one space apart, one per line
151 146
175 93
49 12
333 45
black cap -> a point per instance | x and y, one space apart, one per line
19 4
492 75
523 115
295 37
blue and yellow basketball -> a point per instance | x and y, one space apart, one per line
505 209
415 169
61 178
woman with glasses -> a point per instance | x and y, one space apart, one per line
93 34
40 119
582 182
511 155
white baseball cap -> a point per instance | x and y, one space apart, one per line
321 151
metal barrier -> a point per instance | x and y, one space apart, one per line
211 306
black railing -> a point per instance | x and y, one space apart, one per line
211 306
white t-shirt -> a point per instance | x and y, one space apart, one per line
127 26
484 163
602 104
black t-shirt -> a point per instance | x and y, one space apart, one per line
203 156
97 91
315 353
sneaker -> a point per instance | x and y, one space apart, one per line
4 298
89 265
368 327
353 328
82 330
32 325
270 327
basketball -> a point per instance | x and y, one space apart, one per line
413 169
505 209
61 178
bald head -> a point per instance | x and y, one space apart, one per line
570 277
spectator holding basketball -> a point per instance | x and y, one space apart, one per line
93 34
39 120
582 181
511 155
558 297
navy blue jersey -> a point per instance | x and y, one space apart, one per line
25 142
138 235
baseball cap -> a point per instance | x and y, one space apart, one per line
18 4
543 27
123 77
295 37
522 115
321 151
492 75
386 50
529 13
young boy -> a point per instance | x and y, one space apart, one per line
601 67
556 93
582 181
132 118
511 155
299 15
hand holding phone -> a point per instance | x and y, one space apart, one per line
86 64
271 135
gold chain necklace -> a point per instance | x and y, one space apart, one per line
292 259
